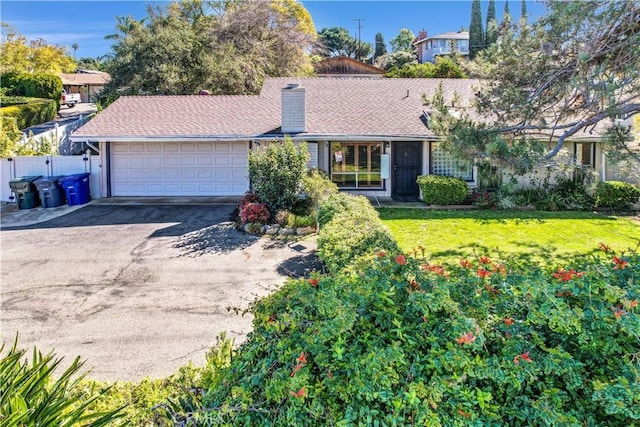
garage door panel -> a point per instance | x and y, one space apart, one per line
179 169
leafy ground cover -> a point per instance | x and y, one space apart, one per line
526 236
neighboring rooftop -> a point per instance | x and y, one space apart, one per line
452 35
96 78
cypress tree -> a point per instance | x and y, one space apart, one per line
476 34
506 19
491 34
523 11
380 48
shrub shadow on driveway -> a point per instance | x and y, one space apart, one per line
216 238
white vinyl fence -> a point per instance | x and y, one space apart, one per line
48 166
59 134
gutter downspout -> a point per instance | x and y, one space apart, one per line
108 159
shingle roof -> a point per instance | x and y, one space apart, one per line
335 106
78 79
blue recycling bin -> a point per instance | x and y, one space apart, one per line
51 193
76 188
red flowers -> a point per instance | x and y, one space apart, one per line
634 303
401 259
524 356
564 275
618 312
467 338
301 361
313 282
485 260
508 321
300 393
483 273
464 263
381 254
620 263
604 248
437 269
414 285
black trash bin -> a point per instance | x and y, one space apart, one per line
76 188
25 191
50 191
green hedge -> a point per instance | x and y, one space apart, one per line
341 202
34 113
616 195
443 190
350 235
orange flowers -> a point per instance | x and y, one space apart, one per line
381 254
437 269
618 312
300 393
524 356
620 263
401 259
604 248
564 275
634 303
301 361
485 260
313 282
483 273
465 263
508 321
467 338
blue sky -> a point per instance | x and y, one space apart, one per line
87 22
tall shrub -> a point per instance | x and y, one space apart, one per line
616 195
35 112
43 86
276 172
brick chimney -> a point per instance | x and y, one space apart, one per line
294 109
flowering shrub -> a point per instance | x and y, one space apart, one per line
482 198
392 340
254 212
248 197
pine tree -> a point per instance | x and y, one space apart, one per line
380 48
523 11
491 34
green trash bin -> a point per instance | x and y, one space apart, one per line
25 191
50 191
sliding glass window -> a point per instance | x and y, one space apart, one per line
356 164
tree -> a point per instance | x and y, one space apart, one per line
403 42
226 47
491 34
36 56
574 70
381 47
476 34
523 11
336 41
75 48
506 18
396 60
444 68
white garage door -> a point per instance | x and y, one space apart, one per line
179 168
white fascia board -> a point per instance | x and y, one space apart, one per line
161 138
348 137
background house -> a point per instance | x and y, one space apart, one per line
343 66
429 48
87 83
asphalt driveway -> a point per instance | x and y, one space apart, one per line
137 291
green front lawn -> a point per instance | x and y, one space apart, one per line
547 237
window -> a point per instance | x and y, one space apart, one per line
442 163
356 164
585 154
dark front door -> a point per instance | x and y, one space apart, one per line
407 166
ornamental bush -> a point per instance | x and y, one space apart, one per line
397 341
47 86
342 202
616 195
254 212
35 112
350 235
442 190
276 172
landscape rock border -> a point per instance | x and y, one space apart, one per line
276 229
